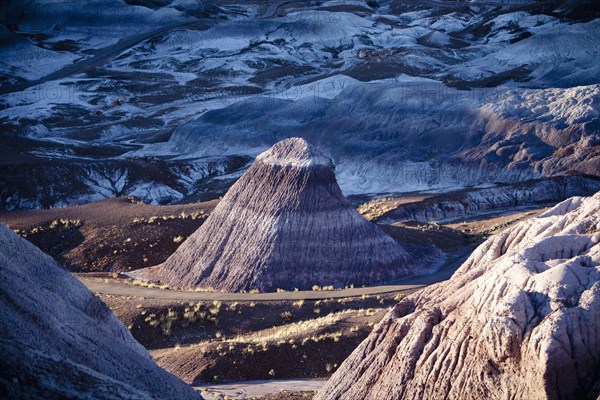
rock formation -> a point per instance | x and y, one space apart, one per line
59 341
480 200
520 319
283 224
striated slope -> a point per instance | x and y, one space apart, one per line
519 319
387 84
416 135
284 224
480 200
58 340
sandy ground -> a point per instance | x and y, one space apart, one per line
252 389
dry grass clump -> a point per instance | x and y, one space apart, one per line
164 322
329 367
215 308
178 239
286 316
57 224
205 289
158 218
298 304
316 288
151 285
298 330
194 312
191 314
255 291
376 208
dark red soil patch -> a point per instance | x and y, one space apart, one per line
119 234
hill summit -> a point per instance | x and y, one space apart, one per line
284 224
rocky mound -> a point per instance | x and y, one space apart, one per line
520 319
59 341
283 224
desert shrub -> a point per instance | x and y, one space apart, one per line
178 239
287 316
298 304
182 215
330 367
216 307
164 322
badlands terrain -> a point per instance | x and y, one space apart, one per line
170 101
338 199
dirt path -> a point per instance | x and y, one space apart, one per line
123 289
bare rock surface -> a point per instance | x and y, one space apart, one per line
520 319
284 224
59 341
474 201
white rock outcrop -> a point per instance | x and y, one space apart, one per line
59 341
520 319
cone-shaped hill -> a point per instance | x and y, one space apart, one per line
59 341
284 224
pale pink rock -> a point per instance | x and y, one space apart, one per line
59 341
520 319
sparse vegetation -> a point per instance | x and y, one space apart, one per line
164 322
110 235
215 308
57 224
287 316
316 288
178 239
205 289
298 304
157 218
230 335
191 314
151 285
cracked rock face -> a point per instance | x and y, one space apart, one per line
520 319
59 341
284 224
